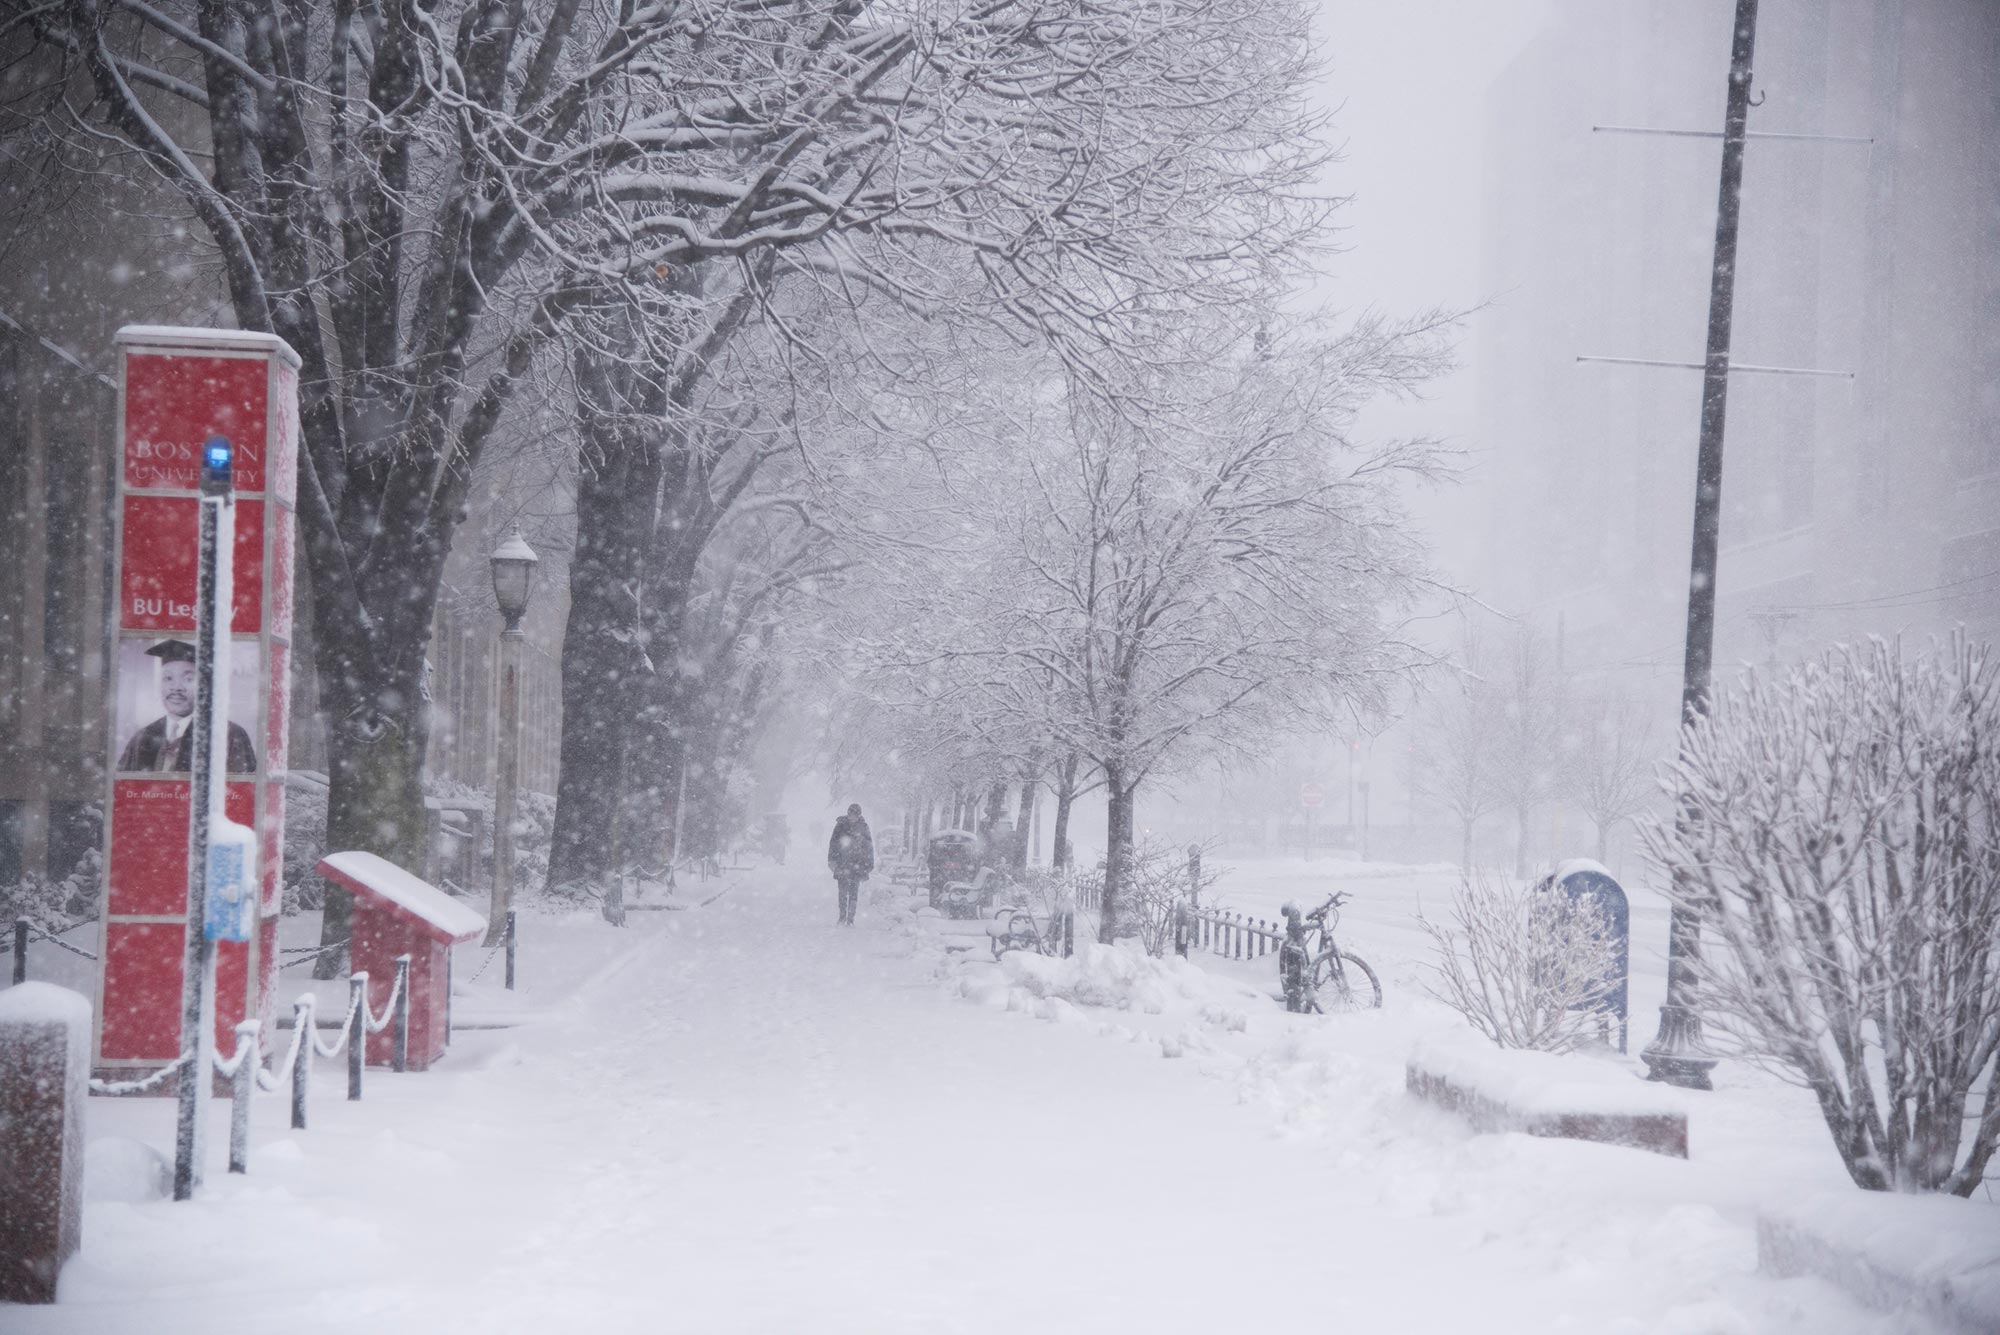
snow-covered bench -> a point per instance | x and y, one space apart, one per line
968 899
1017 928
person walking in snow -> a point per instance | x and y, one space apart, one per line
850 855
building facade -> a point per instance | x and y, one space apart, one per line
1863 498
55 591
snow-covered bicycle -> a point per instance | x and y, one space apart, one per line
1318 975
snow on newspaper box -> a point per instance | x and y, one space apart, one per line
396 913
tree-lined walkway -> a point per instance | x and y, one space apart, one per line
757 1121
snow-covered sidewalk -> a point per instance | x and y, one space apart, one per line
750 1119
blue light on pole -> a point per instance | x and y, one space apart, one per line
216 459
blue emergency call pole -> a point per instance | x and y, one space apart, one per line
208 729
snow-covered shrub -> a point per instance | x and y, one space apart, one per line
1049 890
305 845
534 831
1840 843
1159 888
534 828
54 902
1527 967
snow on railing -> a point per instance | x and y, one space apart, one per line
247 1073
1234 936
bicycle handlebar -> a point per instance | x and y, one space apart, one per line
1333 901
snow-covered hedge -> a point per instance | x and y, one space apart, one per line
1840 843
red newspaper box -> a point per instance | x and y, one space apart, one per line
395 914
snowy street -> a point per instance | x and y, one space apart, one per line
488 485
749 1119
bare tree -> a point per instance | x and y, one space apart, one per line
1452 758
1840 844
1529 699
1612 765
1190 563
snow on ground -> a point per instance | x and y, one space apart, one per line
741 1117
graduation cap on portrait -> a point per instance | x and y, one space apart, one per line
173 651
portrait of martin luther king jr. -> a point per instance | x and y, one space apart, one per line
163 746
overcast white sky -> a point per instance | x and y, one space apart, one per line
1408 82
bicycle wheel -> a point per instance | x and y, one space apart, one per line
1344 982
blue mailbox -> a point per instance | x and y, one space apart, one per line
1585 881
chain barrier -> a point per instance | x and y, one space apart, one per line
310 954
246 1043
248 1075
506 947
74 950
140 1086
25 932
377 1023
269 1078
335 1048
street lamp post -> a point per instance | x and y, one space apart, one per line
513 580
1677 1054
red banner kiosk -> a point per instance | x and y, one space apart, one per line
177 388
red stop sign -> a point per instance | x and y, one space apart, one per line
1311 795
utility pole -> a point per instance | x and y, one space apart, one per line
1677 1055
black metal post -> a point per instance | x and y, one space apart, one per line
242 1084
214 550
302 1034
357 1032
402 1056
1677 1055
20 950
511 925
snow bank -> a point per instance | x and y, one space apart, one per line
1542 1083
121 1168
45 1007
1937 1256
45 1003
1117 977
1569 1097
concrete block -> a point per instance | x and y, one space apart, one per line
44 1081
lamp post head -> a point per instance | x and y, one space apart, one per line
513 563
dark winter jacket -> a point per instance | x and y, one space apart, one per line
851 851
149 750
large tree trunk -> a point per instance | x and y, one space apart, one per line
1022 821
640 528
371 631
1059 851
604 663
1118 848
375 796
